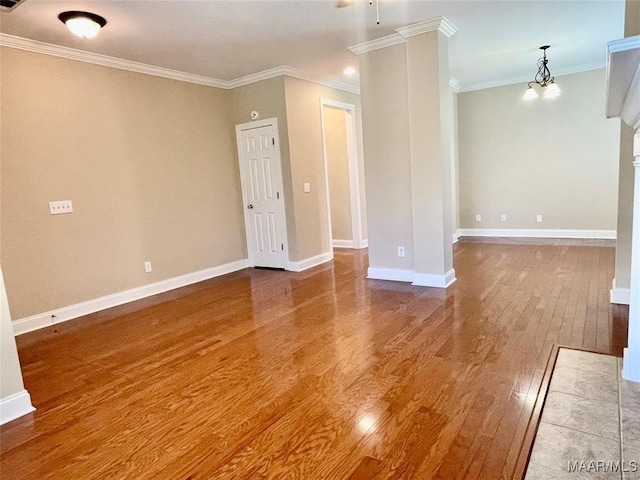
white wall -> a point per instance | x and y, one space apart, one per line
555 157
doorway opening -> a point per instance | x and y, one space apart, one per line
342 174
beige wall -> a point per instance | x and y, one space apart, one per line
268 99
627 172
149 163
335 131
385 123
296 104
558 157
151 167
455 168
307 163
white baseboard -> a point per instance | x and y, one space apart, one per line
456 236
418 279
433 280
620 296
336 243
63 314
395 274
310 262
631 365
536 233
15 406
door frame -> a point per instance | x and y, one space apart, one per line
354 173
281 205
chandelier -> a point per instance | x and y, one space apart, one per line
543 79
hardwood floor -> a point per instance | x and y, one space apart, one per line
316 375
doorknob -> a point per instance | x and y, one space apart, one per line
250 206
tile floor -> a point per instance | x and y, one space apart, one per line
590 425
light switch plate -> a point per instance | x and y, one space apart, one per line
63 206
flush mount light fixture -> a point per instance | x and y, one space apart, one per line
83 24
349 71
543 79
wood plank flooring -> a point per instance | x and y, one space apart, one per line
315 375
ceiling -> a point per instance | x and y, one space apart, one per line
497 41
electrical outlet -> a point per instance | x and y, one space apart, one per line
64 206
401 251
503 218
147 267
539 218
306 187
478 217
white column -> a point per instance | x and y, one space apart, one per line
14 399
631 363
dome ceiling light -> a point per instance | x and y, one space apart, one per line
83 24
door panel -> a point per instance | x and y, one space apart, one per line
262 185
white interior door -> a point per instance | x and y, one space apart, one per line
262 192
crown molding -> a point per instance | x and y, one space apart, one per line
623 81
260 76
558 72
436 24
377 44
624 44
441 24
106 61
454 84
285 70
345 87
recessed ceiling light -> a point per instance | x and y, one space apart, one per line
82 24
349 71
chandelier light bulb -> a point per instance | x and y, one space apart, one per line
552 91
530 94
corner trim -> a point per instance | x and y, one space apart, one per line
42 320
619 296
431 280
536 233
456 237
15 406
310 262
